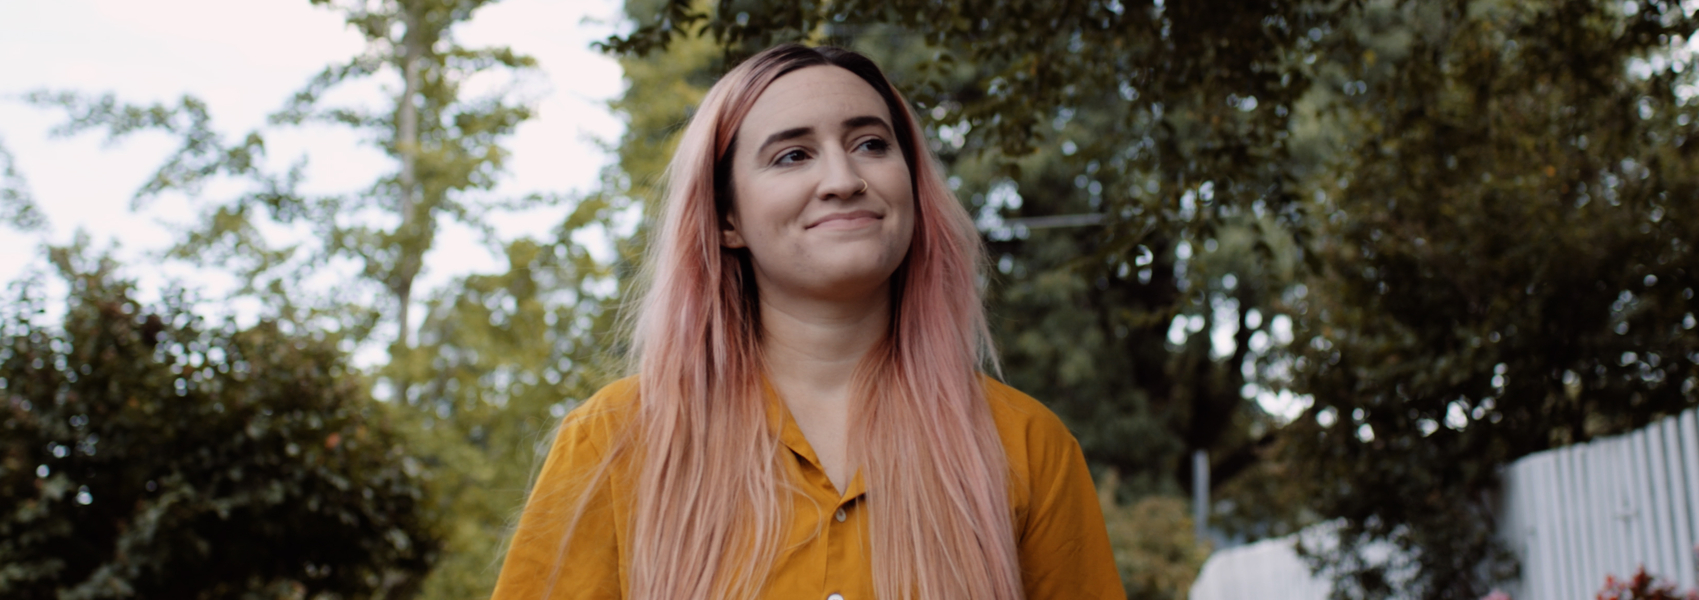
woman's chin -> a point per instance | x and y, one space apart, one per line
842 284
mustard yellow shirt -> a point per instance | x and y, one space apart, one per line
1063 545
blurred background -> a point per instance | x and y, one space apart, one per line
297 289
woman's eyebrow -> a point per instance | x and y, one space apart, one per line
788 134
864 121
796 132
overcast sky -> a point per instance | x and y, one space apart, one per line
244 59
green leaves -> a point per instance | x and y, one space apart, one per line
1459 229
146 453
1503 269
472 385
17 206
454 154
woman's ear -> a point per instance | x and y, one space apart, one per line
729 237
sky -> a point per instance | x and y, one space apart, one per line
243 59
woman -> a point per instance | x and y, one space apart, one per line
807 420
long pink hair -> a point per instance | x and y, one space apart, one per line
711 490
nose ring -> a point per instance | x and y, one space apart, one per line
863 188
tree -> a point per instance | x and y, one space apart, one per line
147 453
1506 265
1463 215
511 353
446 147
494 355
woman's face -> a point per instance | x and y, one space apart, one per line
821 195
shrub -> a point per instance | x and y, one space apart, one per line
1154 546
145 454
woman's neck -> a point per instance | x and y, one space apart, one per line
812 347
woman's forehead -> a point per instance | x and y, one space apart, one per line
815 97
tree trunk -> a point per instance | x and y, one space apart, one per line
407 145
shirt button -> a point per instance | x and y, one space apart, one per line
840 517
835 596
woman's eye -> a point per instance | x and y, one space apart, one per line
876 145
790 157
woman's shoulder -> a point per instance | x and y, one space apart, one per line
1024 421
619 396
1042 453
605 413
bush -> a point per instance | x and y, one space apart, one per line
145 454
1154 546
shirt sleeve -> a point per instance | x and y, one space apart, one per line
541 562
1064 546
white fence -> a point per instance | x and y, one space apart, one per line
1574 514
1268 570
1571 516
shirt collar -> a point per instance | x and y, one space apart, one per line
779 416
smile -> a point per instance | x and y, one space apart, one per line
846 220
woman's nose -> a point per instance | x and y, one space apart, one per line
840 179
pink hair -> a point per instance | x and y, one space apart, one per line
710 512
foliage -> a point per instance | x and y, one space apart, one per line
17 207
480 380
147 453
1461 229
1506 265
446 146
509 355
1272 498
1154 545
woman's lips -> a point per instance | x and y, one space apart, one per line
845 220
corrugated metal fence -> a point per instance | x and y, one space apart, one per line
1571 515
1577 513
